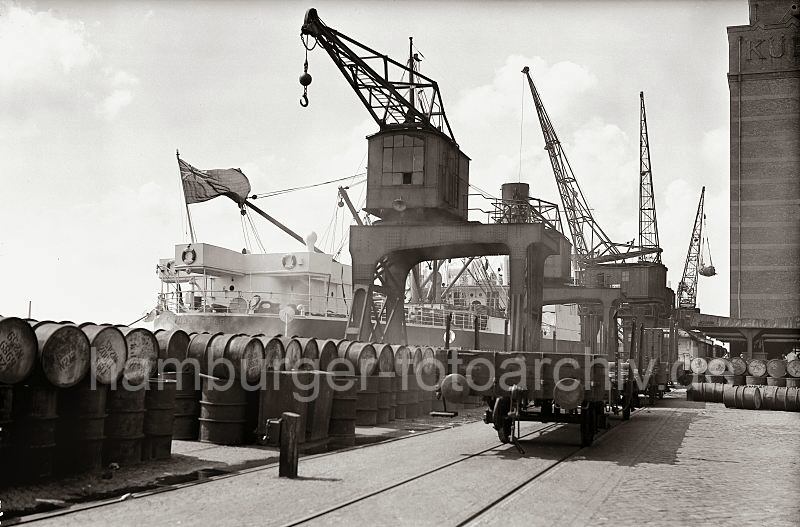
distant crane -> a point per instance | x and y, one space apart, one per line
591 244
648 224
687 288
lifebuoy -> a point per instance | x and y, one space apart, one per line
288 261
188 256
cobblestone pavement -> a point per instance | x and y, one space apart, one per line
679 463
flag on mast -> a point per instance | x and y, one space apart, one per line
203 185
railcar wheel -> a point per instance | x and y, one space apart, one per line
502 423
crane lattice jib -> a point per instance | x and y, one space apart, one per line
687 289
382 96
648 224
588 238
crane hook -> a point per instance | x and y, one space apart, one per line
305 80
304 99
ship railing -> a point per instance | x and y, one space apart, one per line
426 316
251 302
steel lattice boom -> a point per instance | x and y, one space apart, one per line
385 86
687 289
648 224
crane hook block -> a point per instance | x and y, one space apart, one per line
305 79
304 100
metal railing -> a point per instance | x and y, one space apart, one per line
251 302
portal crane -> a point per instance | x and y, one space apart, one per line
687 288
386 89
648 225
592 245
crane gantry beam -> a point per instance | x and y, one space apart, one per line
687 288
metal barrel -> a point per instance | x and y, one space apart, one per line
124 426
385 356
776 381
363 357
216 353
274 352
792 382
159 418
292 353
743 397
385 387
402 359
310 356
400 386
34 412
717 366
342 427
6 424
142 354
64 353
110 352
187 404
286 391
739 365
793 400
80 432
247 356
776 368
319 413
751 380
367 400
739 380
757 368
728 378
327 353
698 365
223 411
18 350
197 353
715 379
793 368
173 345
413 407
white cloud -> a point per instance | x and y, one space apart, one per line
113 103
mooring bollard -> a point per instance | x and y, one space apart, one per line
290 426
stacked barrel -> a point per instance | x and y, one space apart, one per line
753 385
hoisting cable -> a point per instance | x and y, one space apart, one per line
304 187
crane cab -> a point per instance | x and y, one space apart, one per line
416 175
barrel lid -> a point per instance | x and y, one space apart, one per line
757 367
793 367
172 344
110 352
18 350
327 353
64 352
385 357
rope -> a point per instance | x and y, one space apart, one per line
293 189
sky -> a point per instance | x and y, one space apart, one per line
95 98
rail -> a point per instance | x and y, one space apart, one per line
241 302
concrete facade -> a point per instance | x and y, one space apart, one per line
764 82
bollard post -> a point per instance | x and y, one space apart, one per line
290 426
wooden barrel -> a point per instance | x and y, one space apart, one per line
18 350
187 404
142 354
327 353
752 380
223 411
793 368
124 426
247 356
6 423
776 368
362 356
173 347
292 352
698 365
717 366
743 397
286 391
319 413
110 352
64 353
80 432
367 400
385 387
757 368
35 416
739 365
385 356
159 418
274 354
310 355
342 429
400 388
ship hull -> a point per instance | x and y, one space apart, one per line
334 328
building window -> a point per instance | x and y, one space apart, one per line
403 160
